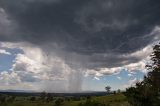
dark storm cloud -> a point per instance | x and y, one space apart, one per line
86 27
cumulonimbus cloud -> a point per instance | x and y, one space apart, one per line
94 37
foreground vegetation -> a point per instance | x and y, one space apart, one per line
110 100
147 92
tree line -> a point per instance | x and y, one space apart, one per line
147 92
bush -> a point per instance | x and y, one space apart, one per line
91 103
2 99
32 98
59 102
49 97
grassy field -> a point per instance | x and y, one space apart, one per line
110 100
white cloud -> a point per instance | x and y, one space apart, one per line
7 78
35 67
142 55
96 78
104 71
11 80
119 78
136 66
2 51
46 67
140 66
132 82
130 75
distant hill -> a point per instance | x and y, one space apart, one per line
33 93
11 90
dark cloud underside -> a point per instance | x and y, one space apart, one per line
85 26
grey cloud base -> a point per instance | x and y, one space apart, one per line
91 34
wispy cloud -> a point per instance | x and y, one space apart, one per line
3 51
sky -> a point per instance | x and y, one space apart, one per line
76 45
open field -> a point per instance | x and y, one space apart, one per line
110 100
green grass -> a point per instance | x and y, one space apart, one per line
110 100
